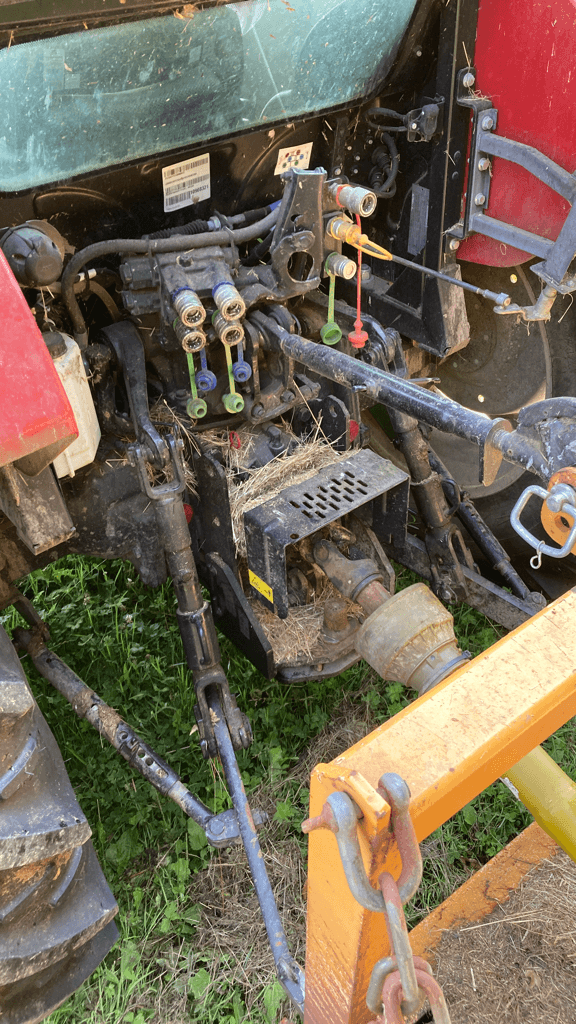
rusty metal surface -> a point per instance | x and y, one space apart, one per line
449 746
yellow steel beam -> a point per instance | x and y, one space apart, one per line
449 746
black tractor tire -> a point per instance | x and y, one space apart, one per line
56 910
544 353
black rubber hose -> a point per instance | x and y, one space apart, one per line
176 243
259 251
379 159
250 217
194 227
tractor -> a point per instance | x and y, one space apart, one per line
286 301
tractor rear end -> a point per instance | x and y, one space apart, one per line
276 319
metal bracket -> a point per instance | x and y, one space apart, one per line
557 256
236 721
139 457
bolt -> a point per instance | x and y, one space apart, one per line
468 80
480 199
354 170
366 272
257 411
336 171
483 164
357 158
487 123
287 396
217 826
323 820
414 126
454 244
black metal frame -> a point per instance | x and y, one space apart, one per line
556 255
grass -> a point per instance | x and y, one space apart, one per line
192 946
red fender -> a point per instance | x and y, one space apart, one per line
34 409
525 60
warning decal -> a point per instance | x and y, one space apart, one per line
294 156
261 586
186 183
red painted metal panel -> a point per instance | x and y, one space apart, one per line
34 408
525 56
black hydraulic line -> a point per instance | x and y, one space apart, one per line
390 390
290 975
177 243
249 217
259 251
479 530
383 188
193 227
112 727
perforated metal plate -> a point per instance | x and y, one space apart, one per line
303 509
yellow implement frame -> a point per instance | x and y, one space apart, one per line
449 745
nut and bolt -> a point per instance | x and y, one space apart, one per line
487 123
468 80
257 411
454 244
483 164
480 199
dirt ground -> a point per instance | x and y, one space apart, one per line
518 966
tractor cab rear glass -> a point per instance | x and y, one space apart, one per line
94 98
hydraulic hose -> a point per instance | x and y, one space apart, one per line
177 243
193 227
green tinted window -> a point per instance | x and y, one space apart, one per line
99 97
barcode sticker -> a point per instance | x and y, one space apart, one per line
186 183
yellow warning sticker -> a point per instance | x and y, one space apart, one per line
261 586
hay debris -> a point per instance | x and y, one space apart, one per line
518 965
263 484
296 639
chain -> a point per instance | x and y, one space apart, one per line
400 981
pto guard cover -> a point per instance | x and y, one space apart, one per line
35 413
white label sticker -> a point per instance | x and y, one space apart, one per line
186 183
295 156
